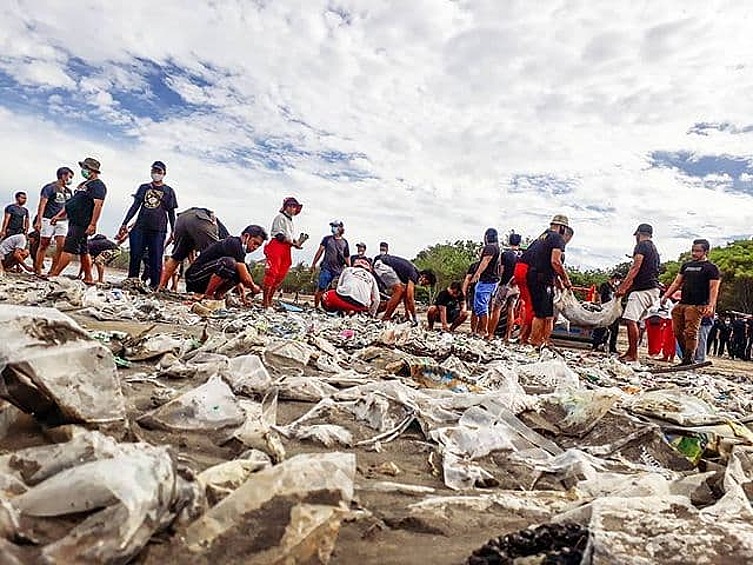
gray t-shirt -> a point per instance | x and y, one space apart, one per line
335 252
10 244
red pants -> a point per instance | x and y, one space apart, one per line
521 272
333 302
278 262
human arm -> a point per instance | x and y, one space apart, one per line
138 200
6 219
483 264
245 277
624 287
466 284
40 212
710 308
559 268
171 219
92 229
318 256
26 223
443 317
375 298
676 284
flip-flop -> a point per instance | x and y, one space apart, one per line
89 283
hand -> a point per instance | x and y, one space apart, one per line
38 225
312 268
54 220
707 310
474 280
91 230
255 289
619 292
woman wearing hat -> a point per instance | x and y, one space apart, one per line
278 250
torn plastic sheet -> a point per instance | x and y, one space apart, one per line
247 375
287 353
675 406
52 369
587 314
201 366
209 407
138 492
310 491
305 389
429 374
155 345
329 435
259 426
581 409
221 480
551 375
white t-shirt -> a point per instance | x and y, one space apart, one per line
10 244
360 285
284 225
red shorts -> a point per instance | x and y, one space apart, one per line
278 262
333 302
521 272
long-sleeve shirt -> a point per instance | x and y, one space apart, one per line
360 285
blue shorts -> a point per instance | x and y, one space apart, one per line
326 277
482 298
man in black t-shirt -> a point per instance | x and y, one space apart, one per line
486 279
400 277
545 268
52 199
505 298
449 308
699 279
16 217
641 285
83 210
222 266
336 252
155 203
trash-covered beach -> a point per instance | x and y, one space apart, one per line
145 428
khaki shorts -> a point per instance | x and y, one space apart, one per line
506 295
638 303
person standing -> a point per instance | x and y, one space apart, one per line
707 324
16 217
278 250
195 230
448 309
469 291
486 279
336 253
699 280
603 335
725 334
544 268
641 285
52 200
400 277
83 210
155 203
712 345
507 294
737 341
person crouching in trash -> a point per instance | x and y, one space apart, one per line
357 290
222 266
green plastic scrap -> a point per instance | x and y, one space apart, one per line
692 447
122 363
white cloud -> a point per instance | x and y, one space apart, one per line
446 101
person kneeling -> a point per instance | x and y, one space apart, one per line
449 308
222 266
357 291
13 254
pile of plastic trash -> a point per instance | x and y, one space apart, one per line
599 461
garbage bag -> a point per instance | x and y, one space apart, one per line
51 368
307 494
210 407
587 314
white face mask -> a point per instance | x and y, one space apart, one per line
157 177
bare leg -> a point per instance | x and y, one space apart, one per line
318 298
100 272
510 322
462 317
65 259
44 243
86 265
632 352
59 242
493 321
537 332
171 265
432 316
397 294
474 323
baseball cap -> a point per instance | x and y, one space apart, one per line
361 245
290 201
336 223
645 229
159 165
90 163
560 220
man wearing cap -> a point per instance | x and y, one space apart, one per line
278 250
360 253
155 203
195 230
16 217
599 336
400 277
357 290
336 253
641 285
52 200
384 249
545 268
83 210
222 266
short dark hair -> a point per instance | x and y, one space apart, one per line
430 276
255 231
515 239
703 243
64 171
491 236
19 193
569 230
455 285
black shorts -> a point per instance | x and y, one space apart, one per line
542 294
76 241
197 279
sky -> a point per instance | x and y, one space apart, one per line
413 122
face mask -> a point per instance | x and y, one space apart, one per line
69 182
334 230
85 173
157 177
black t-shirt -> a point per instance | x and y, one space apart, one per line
16 221
528 253
450 302
100 243
228 247
335 252
696 276
509 260
490 275
648 275
406 271
540 257
155 201
80 207
56 199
